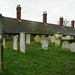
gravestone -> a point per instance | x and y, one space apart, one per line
49 38
58 35
4 43
45 44
15 42
65 45
22 42
57 42
53 39
69 37
72 47
64 38
36 38
28 36
42 37
1 55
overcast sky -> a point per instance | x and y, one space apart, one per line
33 9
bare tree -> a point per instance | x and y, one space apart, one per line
65 22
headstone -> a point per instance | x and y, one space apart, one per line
42 37
72 47
69 37
28 39
4 43
1 55
49 38
57 42
53 39
65 45
15 42
58 35
22 42
38 39
64 38
45 44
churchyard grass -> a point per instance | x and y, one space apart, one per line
37 61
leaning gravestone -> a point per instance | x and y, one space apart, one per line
1 55
22 42
45 44
28 39
15 42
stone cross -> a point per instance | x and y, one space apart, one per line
22 42
15 42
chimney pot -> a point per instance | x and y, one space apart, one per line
61 21
72 24
18 9
45 17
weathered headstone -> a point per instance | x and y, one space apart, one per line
65 45
1 55
72 47
42 37
15 42
45 44
4 43
53 39
57 42
49 38
22 42
38 39
69 37
58 35
64 38
28 39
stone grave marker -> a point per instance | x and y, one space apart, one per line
28 36
15 42
22 42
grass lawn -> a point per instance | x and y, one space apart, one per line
37 61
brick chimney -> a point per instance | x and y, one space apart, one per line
61 21
72 24
45 17
18 15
